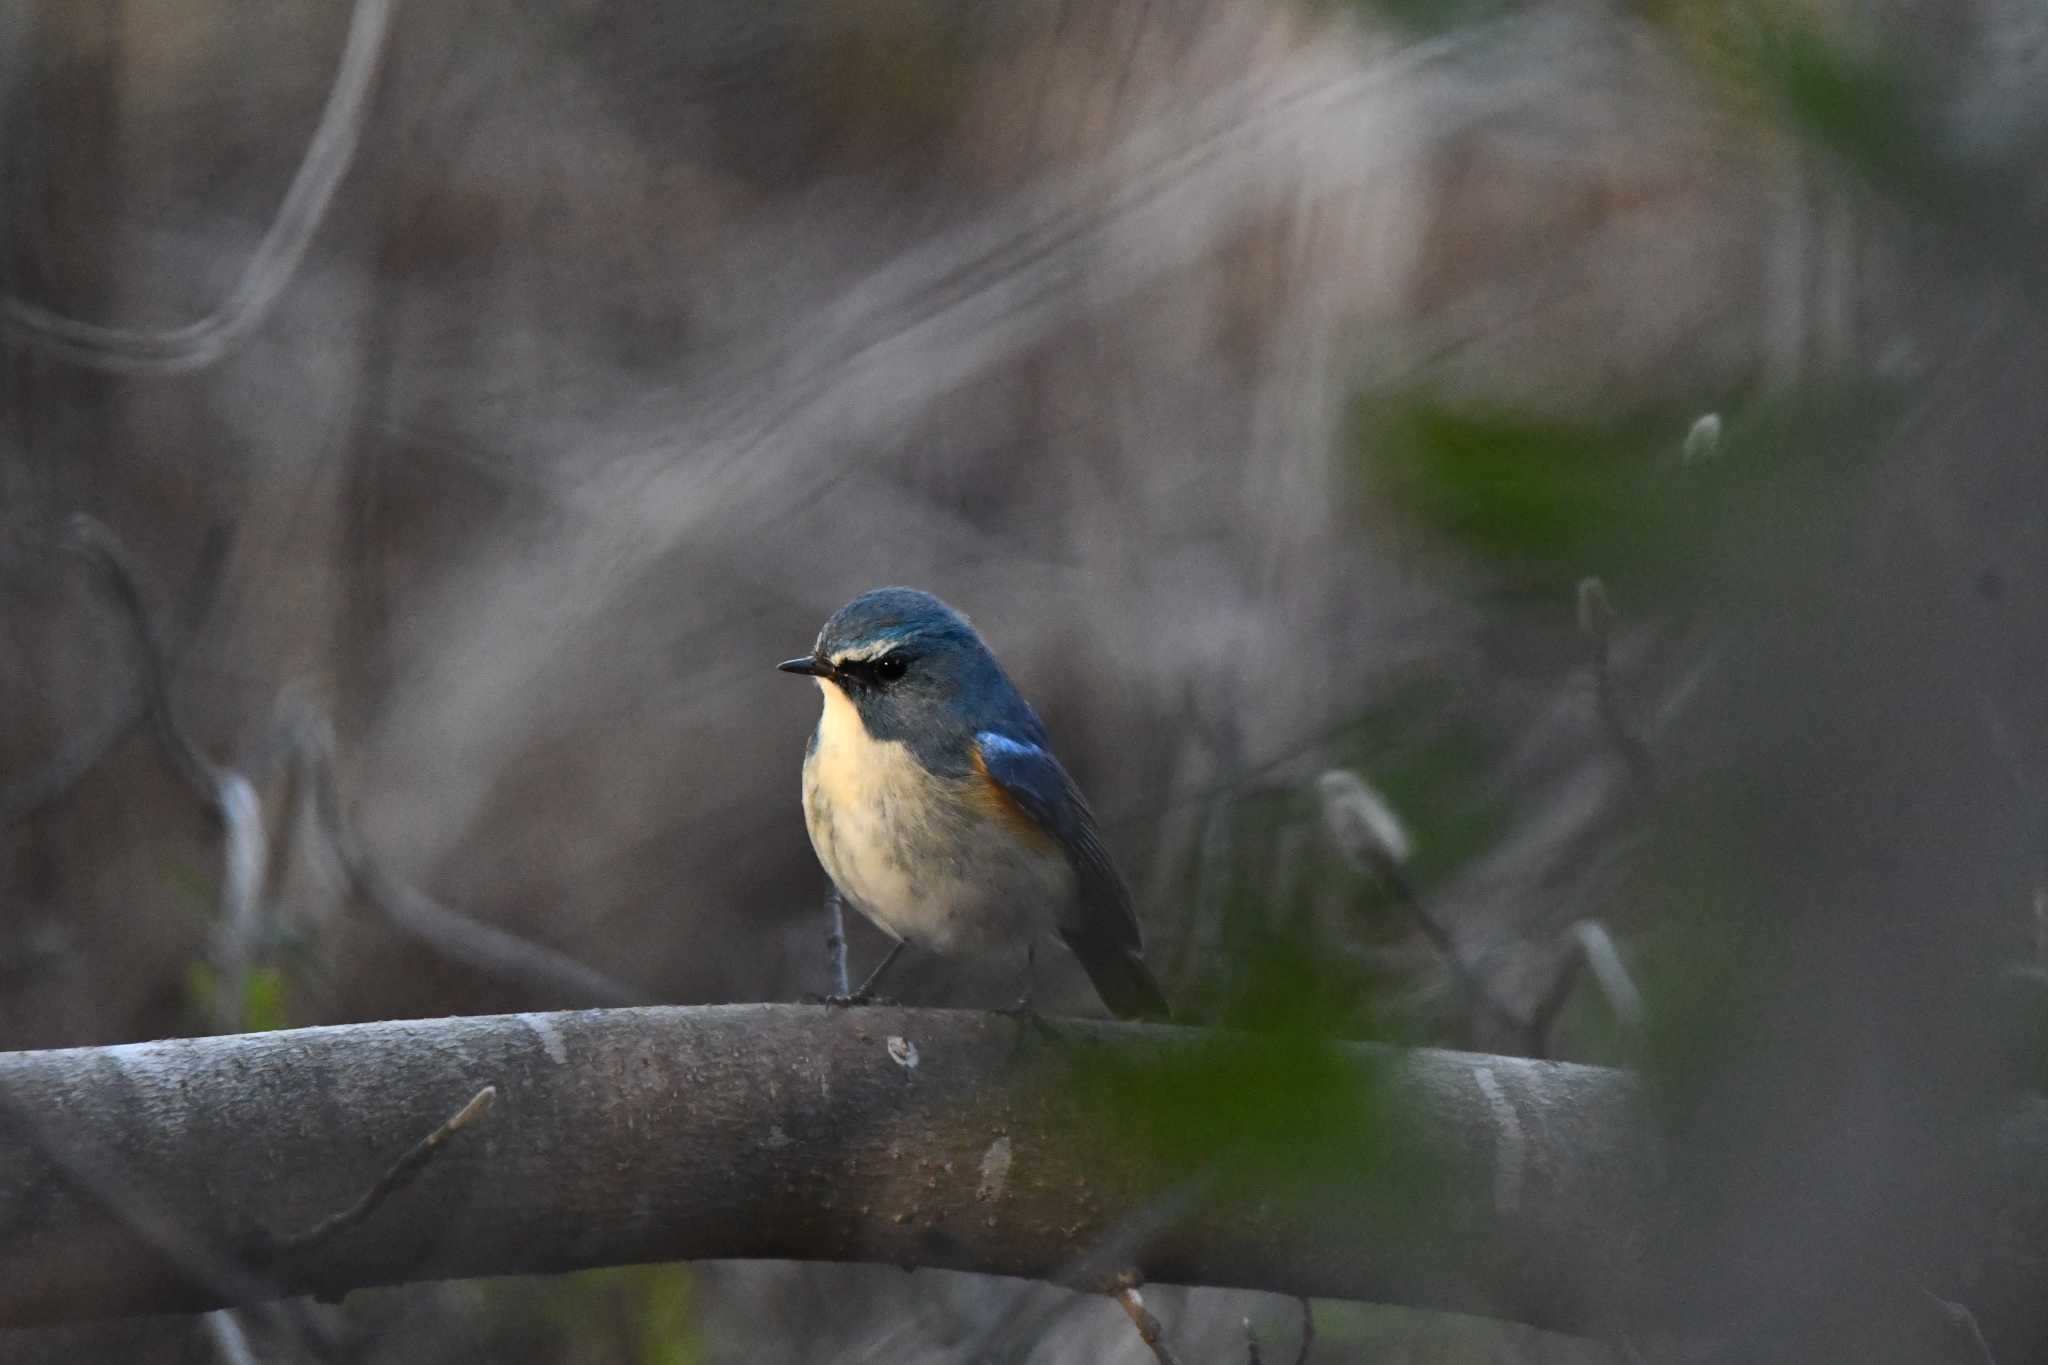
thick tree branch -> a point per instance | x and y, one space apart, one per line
784 1131
776 1131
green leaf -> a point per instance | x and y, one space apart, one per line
264 1006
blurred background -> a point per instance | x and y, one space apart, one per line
473 401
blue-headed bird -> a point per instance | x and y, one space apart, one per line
938 810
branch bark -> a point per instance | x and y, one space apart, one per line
161 1177
778 1131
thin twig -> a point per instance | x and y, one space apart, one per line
276 258
1594 950
1094 1266
1477 993
81 753
1369 834
1596 622
310 741
1543 1019
231 798
402 1173
23 797
104 551
1308 1331
1965 1322
228 1278
1149 1330
1604 961
227 795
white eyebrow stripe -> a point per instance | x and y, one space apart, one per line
990 739
861 654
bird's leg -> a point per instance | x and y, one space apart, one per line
1023 1005
867 987
866 994
835 940
1023 1009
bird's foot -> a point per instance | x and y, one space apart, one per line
1024 1012
850 999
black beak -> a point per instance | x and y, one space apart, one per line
809 667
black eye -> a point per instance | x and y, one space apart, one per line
890 667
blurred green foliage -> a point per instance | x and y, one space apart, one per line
635 1315
265 996
1547 501
1853 105
1257 1117
264 1000
1796 69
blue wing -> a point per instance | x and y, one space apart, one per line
1100 926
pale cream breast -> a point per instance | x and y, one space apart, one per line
858 791
911 851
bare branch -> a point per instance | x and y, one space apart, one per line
276 259
105 553
1593 948
1959 1317
788 1132
84 751
227 795
1536 1036
1149 1330
309 739
1477 992
1372 838
1604 960
402 1173
231 798
1095 1265
692 1133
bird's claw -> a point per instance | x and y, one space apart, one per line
1024 1012
851 999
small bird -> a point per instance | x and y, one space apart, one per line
937 808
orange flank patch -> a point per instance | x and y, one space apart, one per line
997 800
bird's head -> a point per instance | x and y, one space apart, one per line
911 666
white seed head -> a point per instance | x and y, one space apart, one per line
1704 440
1361 823
1610 973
